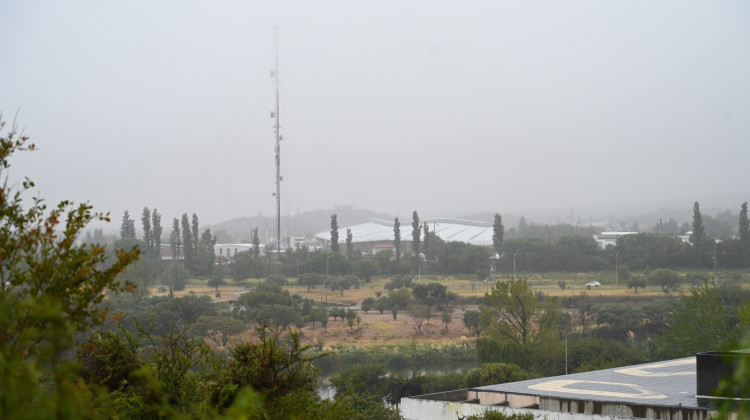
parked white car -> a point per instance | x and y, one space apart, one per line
591 284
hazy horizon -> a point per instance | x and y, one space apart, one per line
445 108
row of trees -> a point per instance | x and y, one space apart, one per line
60 359
517 325
192 252
573 252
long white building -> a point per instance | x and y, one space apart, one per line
377 232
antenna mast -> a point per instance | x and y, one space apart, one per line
277 128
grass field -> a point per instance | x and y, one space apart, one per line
377 329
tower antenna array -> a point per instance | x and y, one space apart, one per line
277 128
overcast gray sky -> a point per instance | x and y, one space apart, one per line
443 107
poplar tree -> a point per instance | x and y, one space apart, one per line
397 238
416 233
194 230
334 233
744 227
498 231
256 244
174 240
349 244
206 255
698 237
146 222
426 242
127 228
156 231
187 244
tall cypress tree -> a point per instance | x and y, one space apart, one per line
194 229
334 233
187 244
206 255
397 238
127 228
174 240
698 237
256 244
744 227
156 231
416 233
349 245
426 242
147 235
498 231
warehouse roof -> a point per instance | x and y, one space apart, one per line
670 383
450 230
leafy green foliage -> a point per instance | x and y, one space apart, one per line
513 311
416 234
127 229
418 313
616 320
397 239
350 254
276 279
277 367
331 263
310 280
205 256
399 282
355 406
265 294
459 257
446 317
341 283
433 294
334 233
365 269
399 298
50 289
472 321
220 329
495 373
498 231
701 322
637 282
667 280
744 226
587 354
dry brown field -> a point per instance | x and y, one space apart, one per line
377 329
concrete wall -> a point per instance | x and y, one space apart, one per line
418 409
429 409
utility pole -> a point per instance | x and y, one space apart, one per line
277 129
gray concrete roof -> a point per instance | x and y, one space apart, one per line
670 383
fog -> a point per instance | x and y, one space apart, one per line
448 108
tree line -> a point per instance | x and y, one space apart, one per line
63 354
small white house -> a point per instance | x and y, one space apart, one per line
610 238
230 250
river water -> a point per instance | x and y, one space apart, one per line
325 390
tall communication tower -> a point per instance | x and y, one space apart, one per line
277 129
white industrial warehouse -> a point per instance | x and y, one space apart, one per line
367 236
